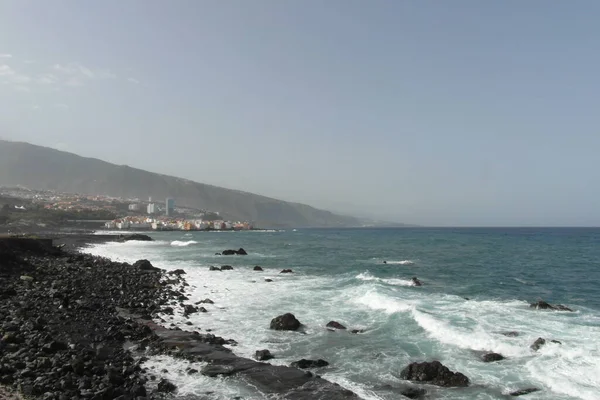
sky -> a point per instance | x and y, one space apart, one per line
455 113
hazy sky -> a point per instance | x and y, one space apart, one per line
430 112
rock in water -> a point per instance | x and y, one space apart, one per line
434 373
542 305
258 268
305 364
285 322
226 268
242 252
145 265
263 355
165 386
229 252
177 272
538 344
491 357
189 309
335 325
416 282
287 271
213 268
523 392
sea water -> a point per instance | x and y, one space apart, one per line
477 284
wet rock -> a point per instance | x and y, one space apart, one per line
285 322
144 265
263 355
202 309
491 357
189 309
335 325
510 333
166 386
434 373
206 301
542 305
522 392
213 268
356 331
217 254
257 268
538 344
416 282
286 271
268 280
306 364
240 252
226 268
177 272
413 393
135 236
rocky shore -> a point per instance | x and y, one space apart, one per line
69 323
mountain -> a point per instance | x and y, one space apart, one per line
44 168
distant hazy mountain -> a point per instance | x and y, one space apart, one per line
39 167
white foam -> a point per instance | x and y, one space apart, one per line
366 276
377 301
180 243
401 262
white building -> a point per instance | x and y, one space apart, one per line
151 208
134 207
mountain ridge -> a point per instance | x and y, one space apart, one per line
46 168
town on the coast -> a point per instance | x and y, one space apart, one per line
23 208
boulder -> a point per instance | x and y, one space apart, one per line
166 386
206 301
189 309
144 265
538 344
491 357
416 282
268 280
286 271
135 236
177 272
217 254
335 325
522 392
305 364
413 393
213 268
226 268
229 252
263 355
258 268
542 305
285 322
434 373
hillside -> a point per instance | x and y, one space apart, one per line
39 167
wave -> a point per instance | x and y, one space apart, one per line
179 243
401 262
378 301
366 276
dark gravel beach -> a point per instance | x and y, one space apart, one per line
76 326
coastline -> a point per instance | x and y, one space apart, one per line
68 316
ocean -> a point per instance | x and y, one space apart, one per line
477 284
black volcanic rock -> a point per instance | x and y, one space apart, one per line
145 265
135 236
263 355
257 268
285 322
166 386
538 344
229 252
491 357
522 392
286 271
213 268
306 364
542 305
335 325
226 268
434 373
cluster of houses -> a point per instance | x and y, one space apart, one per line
167 224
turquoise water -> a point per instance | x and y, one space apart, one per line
340 275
